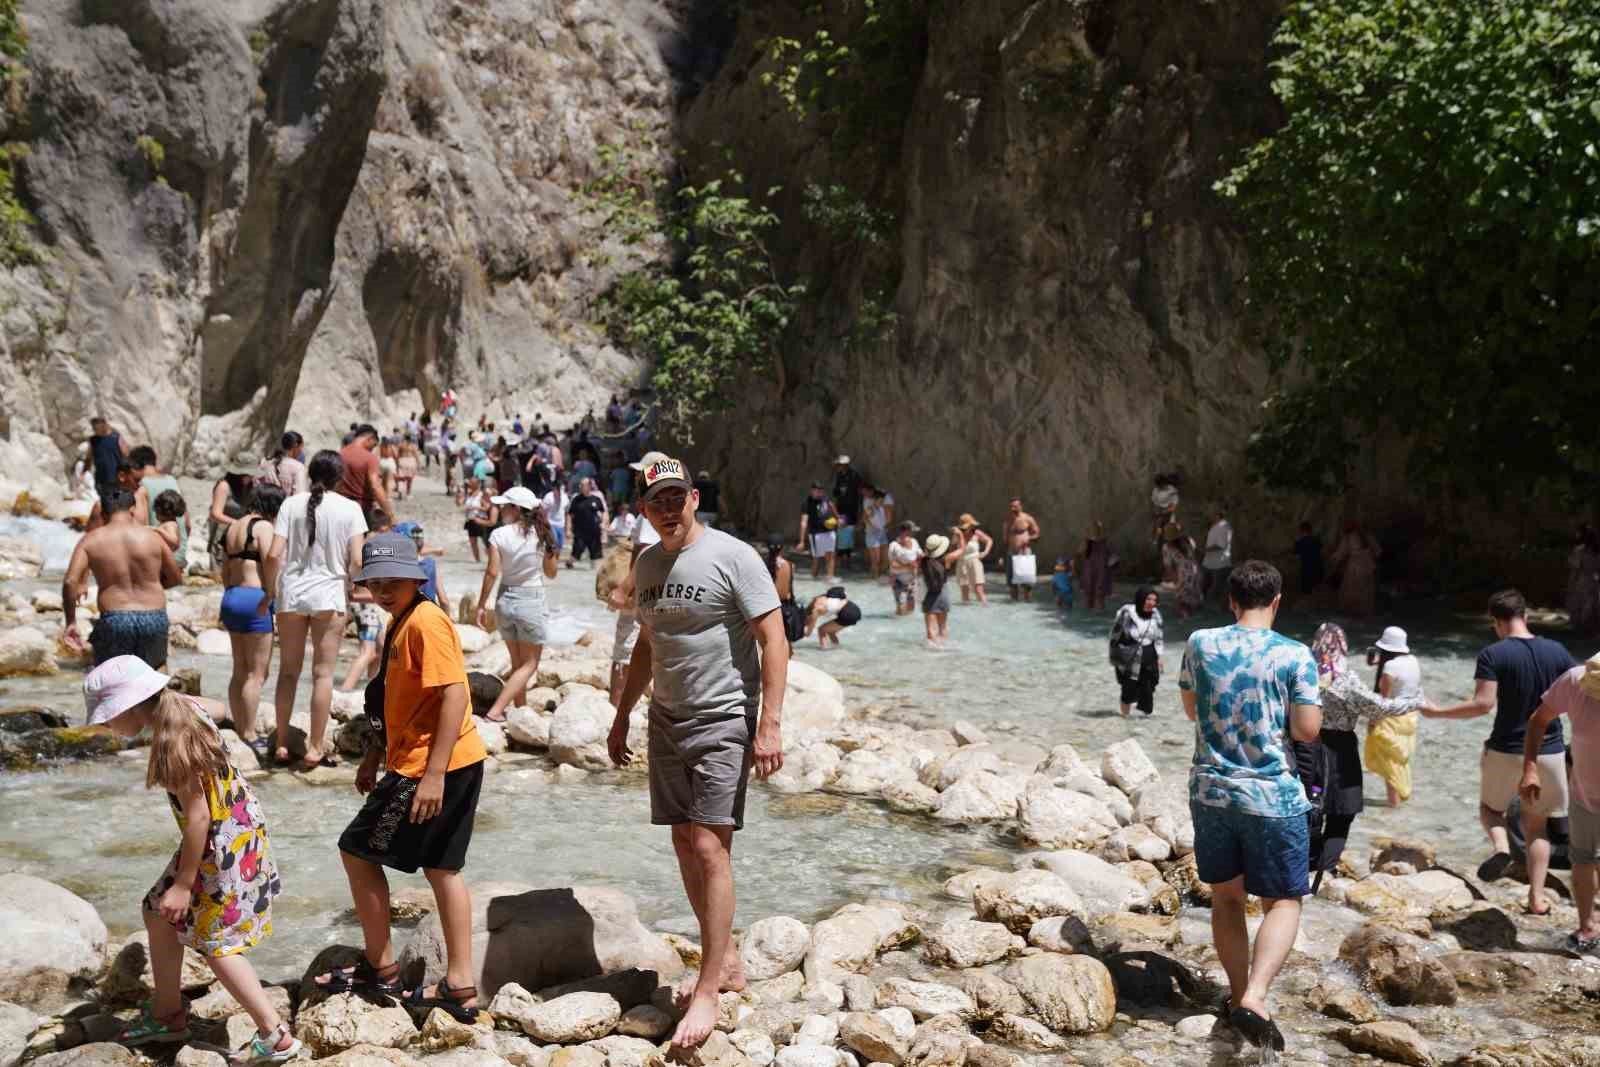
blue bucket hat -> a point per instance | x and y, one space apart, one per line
390 555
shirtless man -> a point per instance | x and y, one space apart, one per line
1019 532
133 567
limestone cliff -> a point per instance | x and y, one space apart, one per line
298 212
1068 293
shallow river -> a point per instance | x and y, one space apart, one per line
1017 667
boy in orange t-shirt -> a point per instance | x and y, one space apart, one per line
419 815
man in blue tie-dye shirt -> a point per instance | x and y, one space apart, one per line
1249 690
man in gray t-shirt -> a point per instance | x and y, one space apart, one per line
706 605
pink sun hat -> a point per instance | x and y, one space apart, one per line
118 684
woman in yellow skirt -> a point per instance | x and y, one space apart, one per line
1391 742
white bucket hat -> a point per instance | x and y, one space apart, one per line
118 684
518 496
1394 640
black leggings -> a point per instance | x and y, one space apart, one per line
1141 691
585 540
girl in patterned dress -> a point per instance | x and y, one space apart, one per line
215 895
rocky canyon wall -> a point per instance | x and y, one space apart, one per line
1068 286
296 213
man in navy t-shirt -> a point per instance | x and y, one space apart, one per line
1512 676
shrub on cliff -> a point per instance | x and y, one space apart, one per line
1425 240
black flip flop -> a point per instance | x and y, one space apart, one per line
1257 1030
1495 867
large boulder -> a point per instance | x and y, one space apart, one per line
1022 898
1103 888
564 1020
774 946
25 650
346 1020
980 796
851 938
962 943
129 980
52 937
16 1025
1069 994
874 1038
1390 1040
1391 962
1052 817
473 639
19 558
1136 842
813 703
1163 806
1091 784
924 1000
527 728
578 731
1125 766
213 643
98 1054
1420 895
543 937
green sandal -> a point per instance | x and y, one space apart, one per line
263 1048
150 1030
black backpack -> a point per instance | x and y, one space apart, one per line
1315 768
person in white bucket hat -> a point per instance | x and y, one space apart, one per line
1392 741
215 895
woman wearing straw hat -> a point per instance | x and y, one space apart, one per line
976 546
1392 741
936 564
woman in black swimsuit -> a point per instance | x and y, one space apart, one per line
244 542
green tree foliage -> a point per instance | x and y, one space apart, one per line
860 81
720 310
15 220
1425 241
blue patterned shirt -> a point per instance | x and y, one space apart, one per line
1244 680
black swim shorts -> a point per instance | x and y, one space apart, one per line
382 831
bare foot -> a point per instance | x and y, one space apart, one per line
733 981
697 1023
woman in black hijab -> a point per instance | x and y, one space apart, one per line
1136 648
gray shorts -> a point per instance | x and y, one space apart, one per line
521 615
699 768
1583 834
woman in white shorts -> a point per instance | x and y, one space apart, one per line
522 555
316 546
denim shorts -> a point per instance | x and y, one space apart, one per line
520 614
1274 855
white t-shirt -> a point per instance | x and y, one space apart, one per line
645 535
314 576
623 526
521 558
1219 546
555 511
902 558
1405 673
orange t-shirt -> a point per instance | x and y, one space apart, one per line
425 657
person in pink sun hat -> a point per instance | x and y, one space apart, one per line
216 893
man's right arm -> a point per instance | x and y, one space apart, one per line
1305 722
72 585
1484 697
638 675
